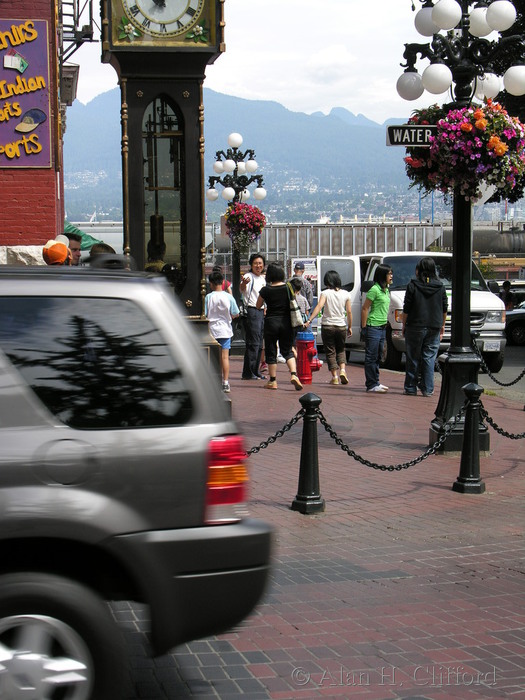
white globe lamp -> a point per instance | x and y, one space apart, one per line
491 85
437 77
241 167
245 194
514 80
212 194
478 22
218 166
501 15
228 193
446 14
229 165
259 193
234 140
410 86
251 165
423 22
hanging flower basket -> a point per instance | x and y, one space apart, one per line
244 223
472 146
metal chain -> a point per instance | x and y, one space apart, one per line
486 417
487 370
263 445
432 449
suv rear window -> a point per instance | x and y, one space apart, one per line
95 363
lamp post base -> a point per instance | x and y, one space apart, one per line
458 369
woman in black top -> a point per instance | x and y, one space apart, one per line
277 325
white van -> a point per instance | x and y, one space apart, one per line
487 312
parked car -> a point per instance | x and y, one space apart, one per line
122 477
515 325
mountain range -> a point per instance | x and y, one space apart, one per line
335 165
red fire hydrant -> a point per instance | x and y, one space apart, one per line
307 360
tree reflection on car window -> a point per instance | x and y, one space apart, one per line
94 363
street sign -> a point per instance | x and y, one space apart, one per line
410 135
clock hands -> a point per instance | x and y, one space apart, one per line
160 3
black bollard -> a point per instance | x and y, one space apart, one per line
308 499
469 479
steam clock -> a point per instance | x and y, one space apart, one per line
160 50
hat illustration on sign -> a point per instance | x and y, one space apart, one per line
31 119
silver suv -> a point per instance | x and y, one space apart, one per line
122 477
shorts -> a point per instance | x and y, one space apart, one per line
225 343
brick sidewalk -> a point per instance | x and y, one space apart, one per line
402 588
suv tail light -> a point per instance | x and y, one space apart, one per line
227 481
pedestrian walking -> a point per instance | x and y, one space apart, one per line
220 308
251 284
304 308
336 324
374 315
277 325
306 287
424 316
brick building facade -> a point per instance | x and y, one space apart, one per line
31 182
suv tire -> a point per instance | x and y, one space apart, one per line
54 628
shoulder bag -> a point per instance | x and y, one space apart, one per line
296 316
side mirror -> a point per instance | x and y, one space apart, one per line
493 286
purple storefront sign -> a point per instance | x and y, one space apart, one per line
25 127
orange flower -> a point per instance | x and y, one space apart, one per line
479 114
501 149
466 126
481 124
493 142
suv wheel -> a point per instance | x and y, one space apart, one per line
494 361
57 640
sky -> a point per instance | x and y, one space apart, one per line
308 55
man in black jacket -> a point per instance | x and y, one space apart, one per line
424 316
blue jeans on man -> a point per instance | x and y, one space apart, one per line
422 346
254 342
374 343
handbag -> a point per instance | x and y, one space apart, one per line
296 316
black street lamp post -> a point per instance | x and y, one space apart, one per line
236 171
463 61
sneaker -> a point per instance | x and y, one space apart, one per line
427 393
281 359
379 389
295 381
410 393
263 367
271 384
226 387
383 387
334 380
343 377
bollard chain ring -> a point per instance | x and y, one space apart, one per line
263 445
487 370
488 419
431 449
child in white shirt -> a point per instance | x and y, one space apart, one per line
220 308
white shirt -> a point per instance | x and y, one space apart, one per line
219 308
254 284
334 310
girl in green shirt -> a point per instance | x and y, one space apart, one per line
374 315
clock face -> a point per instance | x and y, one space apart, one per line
163 18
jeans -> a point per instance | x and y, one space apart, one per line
374 342
254 342
422 346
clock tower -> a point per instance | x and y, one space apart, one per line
160 50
